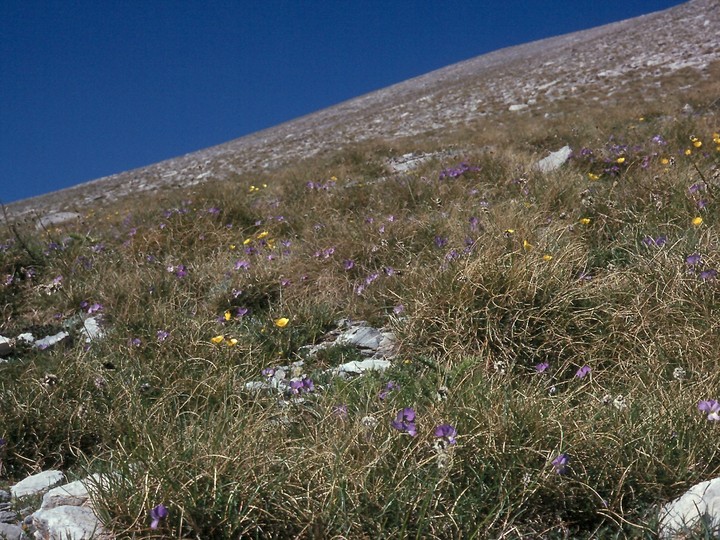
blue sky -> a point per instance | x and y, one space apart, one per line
92 88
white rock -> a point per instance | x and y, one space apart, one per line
518 107
358 367
56 219
68 523
37 484
700 502
27 337
363 337
554 160
72 494
9 531
91 329
49 341
6 346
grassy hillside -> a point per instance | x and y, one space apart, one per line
563 324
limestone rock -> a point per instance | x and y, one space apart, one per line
56 219
50 341
37 484
555 160
701 503
10 531
359 367
91 329
68 523
518 107
72 494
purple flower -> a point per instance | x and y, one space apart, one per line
696 188
712 408
181 271
389 387
440 241
560 464
348 264
583 371
301 386
341 411
657 139
447 432
242 264
162 335
156 514
693 260
405 421
656 242
542 367
268 372
135 342
241 312
707 275
474 223
213 210
397 310
94 308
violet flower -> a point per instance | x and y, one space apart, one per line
405 421
389 387
446 432
693 260
542 367
583 371
157 514
711 407
560 464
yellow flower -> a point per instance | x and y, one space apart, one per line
217 339
264 185
527 246
232 342
664 161
247 241
333 178
697 144
232 247
262 235
547 257
282 322
688 152
641 119
620 160
592 176
228 315
697 221
509 232
585 221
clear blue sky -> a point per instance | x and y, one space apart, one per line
91 88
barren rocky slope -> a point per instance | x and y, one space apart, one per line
599 64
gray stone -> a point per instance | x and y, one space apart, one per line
701 503
68 523
6 346
37 484
8 516
50 341
517 107
4 496
56 219
359 367
555 160
10 532
27 337
362 337
72 494
91 329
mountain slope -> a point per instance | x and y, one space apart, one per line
644 58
